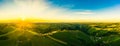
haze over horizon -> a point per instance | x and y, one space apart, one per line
62 10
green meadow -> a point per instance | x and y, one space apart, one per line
60 34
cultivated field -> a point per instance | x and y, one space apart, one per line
59 34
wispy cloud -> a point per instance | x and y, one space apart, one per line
40 9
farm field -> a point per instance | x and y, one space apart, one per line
59 34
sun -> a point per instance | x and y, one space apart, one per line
23 18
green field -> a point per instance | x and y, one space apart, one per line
60 34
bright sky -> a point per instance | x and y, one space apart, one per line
65 10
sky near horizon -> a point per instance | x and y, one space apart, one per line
84 10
